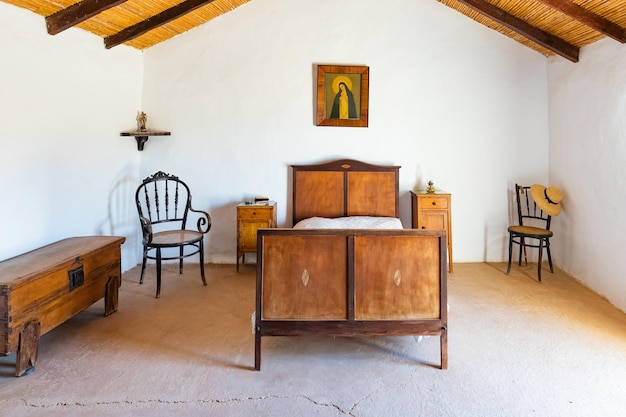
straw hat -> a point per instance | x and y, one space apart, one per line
548 199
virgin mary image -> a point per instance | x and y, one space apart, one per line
344 106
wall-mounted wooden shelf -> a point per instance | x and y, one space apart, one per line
142 136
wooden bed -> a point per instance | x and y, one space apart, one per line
349 282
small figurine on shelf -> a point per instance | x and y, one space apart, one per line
431 187
142 119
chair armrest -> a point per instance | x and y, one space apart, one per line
204 220
146 229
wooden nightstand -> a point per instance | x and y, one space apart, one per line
250 218
433 211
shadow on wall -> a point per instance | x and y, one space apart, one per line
122 219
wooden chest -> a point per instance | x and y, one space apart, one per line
41 289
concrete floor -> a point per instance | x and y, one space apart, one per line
516 348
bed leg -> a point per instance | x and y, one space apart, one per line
444 348
257 350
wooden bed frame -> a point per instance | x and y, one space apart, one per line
347 282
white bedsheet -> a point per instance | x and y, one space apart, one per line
352 222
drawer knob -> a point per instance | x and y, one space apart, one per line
434 203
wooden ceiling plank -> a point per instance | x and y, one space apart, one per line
77 13
155 21
589 18
545 39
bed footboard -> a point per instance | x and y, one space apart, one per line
351 283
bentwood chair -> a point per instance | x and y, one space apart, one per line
532 231
164 207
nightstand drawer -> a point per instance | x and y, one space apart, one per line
255 212
434 202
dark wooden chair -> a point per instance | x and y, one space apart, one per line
533 229
164 207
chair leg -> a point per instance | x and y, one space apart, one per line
539 260
549 255
521 247
202 262
158 270
180 265
508 268
143 264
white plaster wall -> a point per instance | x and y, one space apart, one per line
588 162
450 100
64 170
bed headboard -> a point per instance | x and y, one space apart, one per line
345 187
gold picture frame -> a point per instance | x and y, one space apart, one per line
342 95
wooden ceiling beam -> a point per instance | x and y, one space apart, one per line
155 21
589 18
77 13
545 39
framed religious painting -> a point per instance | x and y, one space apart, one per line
342 95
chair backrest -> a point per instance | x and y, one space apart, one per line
528 212
163 198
